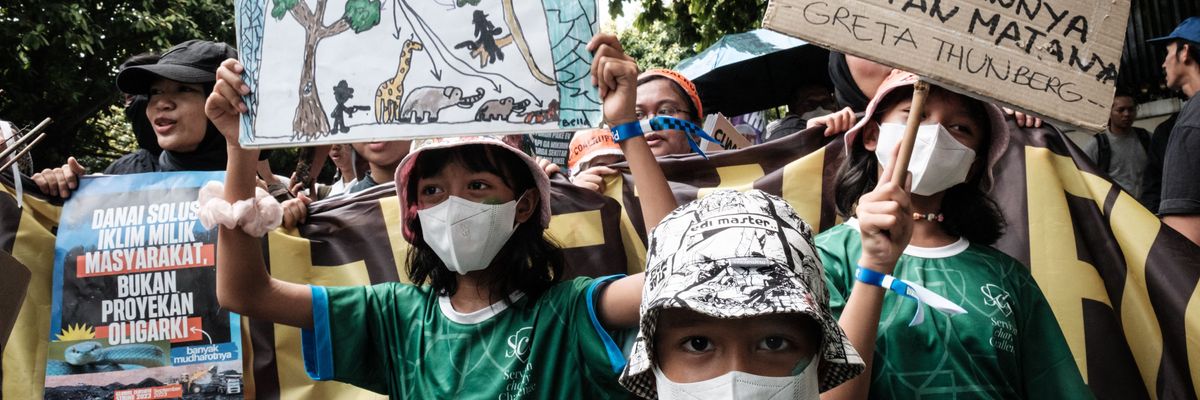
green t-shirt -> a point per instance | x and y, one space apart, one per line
1007 346
407 342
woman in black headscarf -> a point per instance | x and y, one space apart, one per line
176 88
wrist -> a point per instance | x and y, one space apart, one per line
882 267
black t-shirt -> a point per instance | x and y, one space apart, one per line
1181 167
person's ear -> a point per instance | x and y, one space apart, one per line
527 205
870 135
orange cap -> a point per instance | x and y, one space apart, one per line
683 82
589 144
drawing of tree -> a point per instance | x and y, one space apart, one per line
310 121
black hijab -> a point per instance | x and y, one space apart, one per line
844 87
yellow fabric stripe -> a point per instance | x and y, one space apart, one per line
390 207
1135 229
735 177
635 250
802 188
1052 256
25 352
577 229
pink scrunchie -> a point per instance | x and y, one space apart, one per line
256 216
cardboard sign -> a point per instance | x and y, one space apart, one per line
12 293
413 69
721 129
1055 58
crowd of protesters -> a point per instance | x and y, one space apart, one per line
759 309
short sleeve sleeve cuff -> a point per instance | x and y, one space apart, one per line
317 347
615 358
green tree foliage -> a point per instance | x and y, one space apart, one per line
117 141
362 14
697 22
655 46
63 62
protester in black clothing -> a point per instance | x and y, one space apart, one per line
1180 205
176 88
145 158
1152 180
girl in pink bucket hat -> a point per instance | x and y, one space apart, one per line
994 335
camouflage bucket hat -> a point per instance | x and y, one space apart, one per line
736 255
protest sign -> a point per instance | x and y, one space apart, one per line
728 137
1058 59
408 69
12 293
134 312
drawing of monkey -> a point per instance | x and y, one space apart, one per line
485 38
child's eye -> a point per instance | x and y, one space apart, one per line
774 343
478 185
430 190
697 344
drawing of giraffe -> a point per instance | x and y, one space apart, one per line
390 93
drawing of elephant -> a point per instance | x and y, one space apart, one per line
424 103
495 110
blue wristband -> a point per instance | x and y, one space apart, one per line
876 278
630 130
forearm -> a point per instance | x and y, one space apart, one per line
620 301
860 321
654 192
243 284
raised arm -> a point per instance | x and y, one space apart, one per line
885 223
243 284
615 74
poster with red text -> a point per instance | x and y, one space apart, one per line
134 309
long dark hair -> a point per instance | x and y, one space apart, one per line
969 211
528 262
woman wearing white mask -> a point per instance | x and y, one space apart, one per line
490 315
994 335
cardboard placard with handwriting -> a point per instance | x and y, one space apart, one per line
1058 59
720 128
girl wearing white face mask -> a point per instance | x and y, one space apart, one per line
993 335
491 315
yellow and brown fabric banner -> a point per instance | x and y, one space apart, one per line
1122 285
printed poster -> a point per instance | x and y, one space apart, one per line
134 311
339 71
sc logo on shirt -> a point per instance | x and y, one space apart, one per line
518 344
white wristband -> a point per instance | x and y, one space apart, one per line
255 216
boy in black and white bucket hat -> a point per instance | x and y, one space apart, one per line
735 306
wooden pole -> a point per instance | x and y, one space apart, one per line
900 171
23 151
32 134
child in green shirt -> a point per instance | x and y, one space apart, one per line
489 316
999 338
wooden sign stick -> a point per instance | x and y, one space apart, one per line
32 134
920 91
23 151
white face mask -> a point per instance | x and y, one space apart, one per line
741 385
467 235
938 160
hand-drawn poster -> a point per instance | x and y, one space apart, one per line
134 311
337 71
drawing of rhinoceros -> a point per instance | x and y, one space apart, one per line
495 110
424 103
